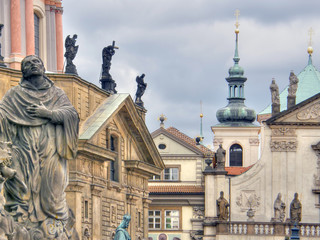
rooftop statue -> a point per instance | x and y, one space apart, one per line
106 79
42 125
220 157
70 54
121 231
140 89
274 92
295 209
293 85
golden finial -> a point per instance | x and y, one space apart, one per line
237 14
162 118
310 49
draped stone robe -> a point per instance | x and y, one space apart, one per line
41 148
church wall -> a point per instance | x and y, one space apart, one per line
279 170
172 147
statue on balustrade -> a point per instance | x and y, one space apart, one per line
220 157
279 209
222 207
275 99
41 124
70 54
121 231
295 209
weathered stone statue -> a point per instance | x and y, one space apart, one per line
293 84
1 57
70 54
106 80
295 209
274 92
140 89
220 157
222 207
42 125
121 231
279 209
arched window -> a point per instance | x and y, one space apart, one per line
36 34
114 165
235 154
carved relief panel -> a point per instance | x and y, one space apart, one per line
283 140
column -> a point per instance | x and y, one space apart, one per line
74 200
15 22
59 38
30 28
146 202
96 212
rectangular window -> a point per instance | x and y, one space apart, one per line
112 171
171 174
155 219
36 34
155 177
86 209
172 219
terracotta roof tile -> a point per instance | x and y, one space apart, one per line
179 189
234 171
188 139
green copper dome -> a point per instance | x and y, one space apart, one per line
236 113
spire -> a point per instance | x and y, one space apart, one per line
201 116
310 49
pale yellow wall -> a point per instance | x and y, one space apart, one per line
172 146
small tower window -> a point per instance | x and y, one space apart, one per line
235 154
162 146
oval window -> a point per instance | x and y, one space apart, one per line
162 146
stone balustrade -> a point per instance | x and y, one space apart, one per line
267 229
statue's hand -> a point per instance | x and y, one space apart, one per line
39 111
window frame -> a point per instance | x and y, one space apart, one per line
163 210
231 155
162 175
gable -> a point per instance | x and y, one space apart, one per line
305 113
172 146
118 115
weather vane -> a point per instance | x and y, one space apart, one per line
237 14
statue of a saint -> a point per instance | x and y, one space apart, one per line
121 231
70 54
106 80
220 157
293 85
274 92
222 207
140 89
42 125
279 209
295 209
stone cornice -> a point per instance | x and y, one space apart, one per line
99 153
142 167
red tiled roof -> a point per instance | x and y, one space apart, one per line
176 189
188 139
234 171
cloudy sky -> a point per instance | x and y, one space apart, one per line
185 48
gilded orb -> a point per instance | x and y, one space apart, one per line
310 50
237 30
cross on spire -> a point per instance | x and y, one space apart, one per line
311 33
237 14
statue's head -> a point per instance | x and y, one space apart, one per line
296 195
279 195
32 66
125 222
221 194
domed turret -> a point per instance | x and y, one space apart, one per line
236 113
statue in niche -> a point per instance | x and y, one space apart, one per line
279 209
222 207
121 231
42 125
220 157
70 54
106 80
140 89
274 92
293 85
295 209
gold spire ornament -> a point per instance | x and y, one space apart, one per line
237 24
310 49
